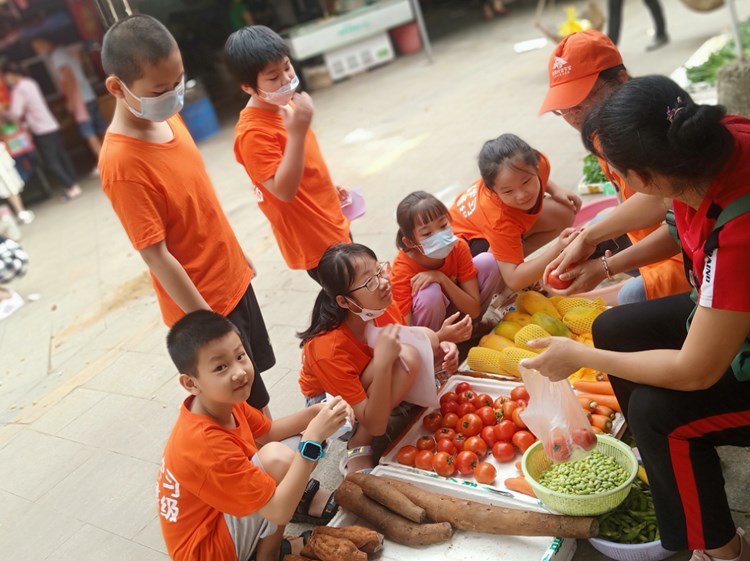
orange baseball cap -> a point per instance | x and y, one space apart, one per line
574 67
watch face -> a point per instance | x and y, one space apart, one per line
311 450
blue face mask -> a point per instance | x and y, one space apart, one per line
439 244
161 107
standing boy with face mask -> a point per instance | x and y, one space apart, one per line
156 180
280 153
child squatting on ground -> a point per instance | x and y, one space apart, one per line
156 180
514 209
227 486
434 276
274 142
336 359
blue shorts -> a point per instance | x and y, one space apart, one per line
96 125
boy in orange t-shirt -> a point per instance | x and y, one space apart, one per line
157 183
227 486
280 153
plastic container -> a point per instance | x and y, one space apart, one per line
198 112
354 206
407 38
589 211
651 551
535 461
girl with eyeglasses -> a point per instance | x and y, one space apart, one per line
336 358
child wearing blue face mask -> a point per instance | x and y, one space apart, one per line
434 277
279 151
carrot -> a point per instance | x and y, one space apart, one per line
604 388
604 410
597 430
588 404
606 400
602 422
520 485
602 376
518 465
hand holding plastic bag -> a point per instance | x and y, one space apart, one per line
556 418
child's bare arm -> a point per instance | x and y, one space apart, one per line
297 119
564 196
295 423
173 277
521 275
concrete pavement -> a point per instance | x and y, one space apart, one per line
88 394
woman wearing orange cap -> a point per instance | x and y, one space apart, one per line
584 68
680 366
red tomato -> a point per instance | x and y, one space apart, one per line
444 432
459 440
523 439
448 407
504 429
465 408
558 449
488 435
423 460
500 400
557 283
485 473
466 461
406 455
517 420
487 414
519 392
426 443
503 451
508 408
523 403
482 400
462 387
477 445
469 425
433 421
448 396
584 438
466 397
446 445
442 464
450 420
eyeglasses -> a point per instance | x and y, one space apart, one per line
373 283
580 106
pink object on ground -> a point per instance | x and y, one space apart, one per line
355 205
591 209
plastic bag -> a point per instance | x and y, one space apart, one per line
556 418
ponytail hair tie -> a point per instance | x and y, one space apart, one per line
672 112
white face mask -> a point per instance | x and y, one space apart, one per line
161 107
440 244
366 314
283 95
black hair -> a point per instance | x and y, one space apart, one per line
612 74
416 209
250 49
501 151
132 43
10 67
650 124
190 333
336 272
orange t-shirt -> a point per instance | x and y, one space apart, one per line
457 266
161 192
662 278
478 212
333 361
312 221
206 471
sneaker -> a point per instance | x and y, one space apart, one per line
25 217
10 304
657 42
700 555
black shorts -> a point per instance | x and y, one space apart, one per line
249 320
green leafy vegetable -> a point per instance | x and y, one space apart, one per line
592 171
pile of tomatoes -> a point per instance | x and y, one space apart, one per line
467 428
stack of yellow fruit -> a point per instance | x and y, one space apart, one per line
536 317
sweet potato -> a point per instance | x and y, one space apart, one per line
331 548
365 539
396 528
389 497
293 557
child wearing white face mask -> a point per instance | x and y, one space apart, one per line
280 153
435 279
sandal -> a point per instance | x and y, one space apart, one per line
302 513
357 452
287 545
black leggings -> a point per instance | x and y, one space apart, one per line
614 13
55 157
677 431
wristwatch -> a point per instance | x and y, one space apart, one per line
311 450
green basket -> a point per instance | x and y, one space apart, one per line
535 461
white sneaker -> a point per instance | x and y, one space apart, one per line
10 304
25 217
700 555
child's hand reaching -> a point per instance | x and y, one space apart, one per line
387 347
450 356
297 119
330 417
565 237
455 331
567 198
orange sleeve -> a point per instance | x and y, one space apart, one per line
142 210
260 152
506 241
464 262
544 169
258 422
338 371
401 276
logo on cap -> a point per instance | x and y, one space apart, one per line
560 67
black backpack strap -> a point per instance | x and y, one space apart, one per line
737 207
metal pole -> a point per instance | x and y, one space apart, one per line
417 11
740 48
